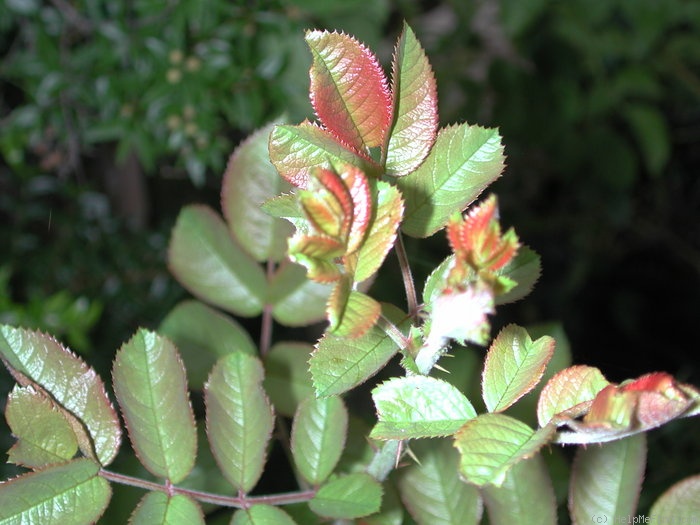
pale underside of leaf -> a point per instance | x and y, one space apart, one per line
262 515
72 384
159 508
151 386
679 504
414 107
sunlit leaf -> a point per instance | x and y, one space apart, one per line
297 150
525 497
317 253
251 179
679 504
348 497
67 493
202 335
606 479
287 378
239 419
44 435
158 507
151 387
206 260
355 317
570 387
489 445
432 490
318 437
414 106
339 364
71 383
262 515
514 365
296 300
382 233
419 406
349 91
464 160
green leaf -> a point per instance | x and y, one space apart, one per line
71 383
391 511
514 365
382 233
239 419
68 493
432 490
570 387
679 504
287 378
414 106
209 263
319 430
348 497
491 444
44 435
606 479
151 387
349 91
158 507
525 497
297 150
339 364
251 179
318 254
353 315
525 270
262 515
296 300
651 131
202 335
419 406
464 160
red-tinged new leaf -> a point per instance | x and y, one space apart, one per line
463 161
679 504
327 203
151 387
361 195
382 232
349 91
239 419
72 384
317 254
68 493
249 180
606 479
414 107
572 387
351 313
297 150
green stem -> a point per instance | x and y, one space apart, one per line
385 459
287 498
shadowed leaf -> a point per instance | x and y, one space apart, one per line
296 300
287 378
679 504
348 497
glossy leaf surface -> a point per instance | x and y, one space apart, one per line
349 91
318 436
151 387
414 106
239 419
464 160
73 385
202 335
432 490
297 150
44 435
419 406
251 179
339 364
348 497
68 493
207 261
491 444
287 378
679 504
262 515
606 479
158 507
525 497
514 365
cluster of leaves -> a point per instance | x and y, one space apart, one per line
374 168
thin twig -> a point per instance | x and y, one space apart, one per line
411 297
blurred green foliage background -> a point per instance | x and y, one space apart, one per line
115 114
